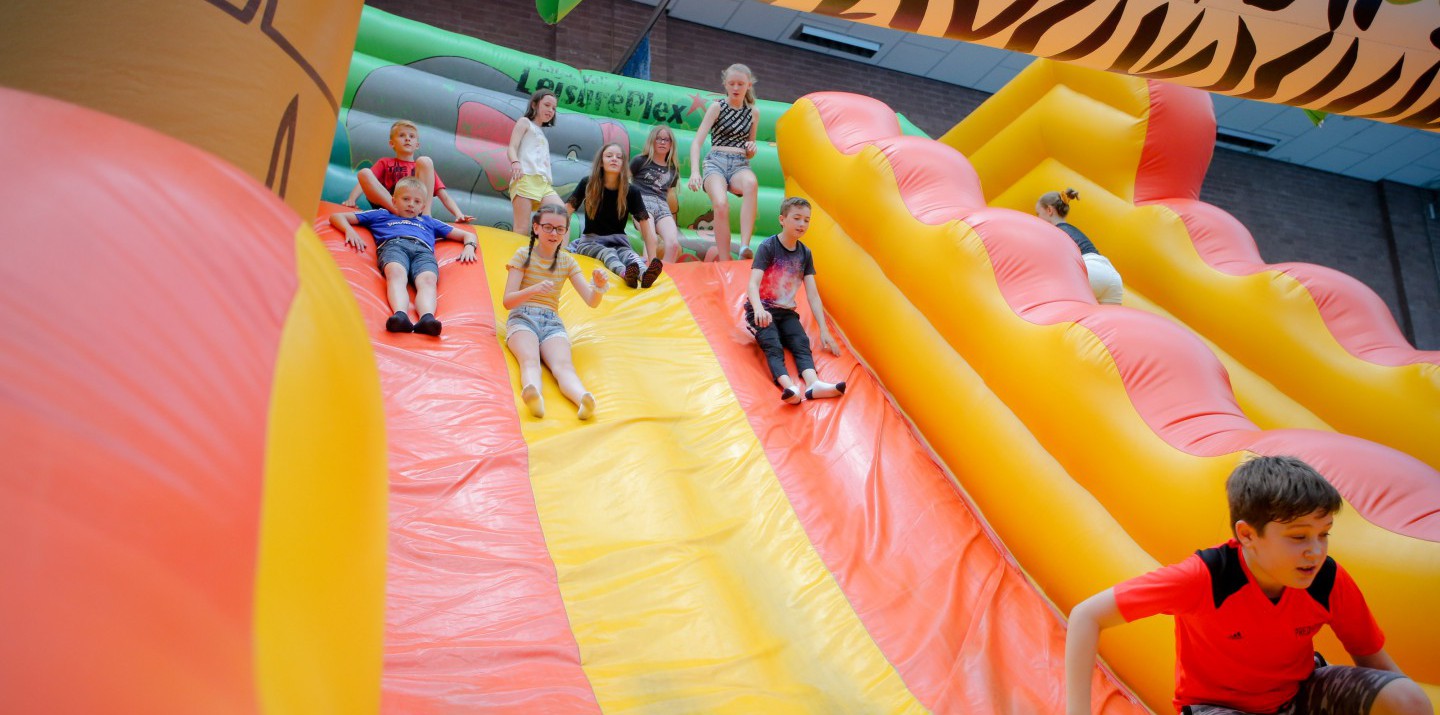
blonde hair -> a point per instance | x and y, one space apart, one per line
595 188
403 123
649 151
410 182
742 69
1059 200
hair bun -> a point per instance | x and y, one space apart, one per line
1070 194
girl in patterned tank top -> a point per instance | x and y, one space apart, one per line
731 123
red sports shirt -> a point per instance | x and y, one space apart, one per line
1233 646
389 170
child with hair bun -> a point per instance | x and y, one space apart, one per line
1105 281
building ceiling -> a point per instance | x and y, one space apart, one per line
1350 146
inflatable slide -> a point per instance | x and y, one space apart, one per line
699 546
1130 420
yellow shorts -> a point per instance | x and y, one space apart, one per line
532 186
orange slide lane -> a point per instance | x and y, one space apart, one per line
474 619
945 604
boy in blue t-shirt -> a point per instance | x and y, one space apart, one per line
781 265
405 250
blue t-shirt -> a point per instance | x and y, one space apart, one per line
384 226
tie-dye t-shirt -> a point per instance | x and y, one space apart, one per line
785 271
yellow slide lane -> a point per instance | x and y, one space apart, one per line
663 510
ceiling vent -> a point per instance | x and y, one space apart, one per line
853 46
1244 141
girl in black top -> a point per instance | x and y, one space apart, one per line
604 198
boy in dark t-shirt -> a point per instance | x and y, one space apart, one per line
781 265
1247 611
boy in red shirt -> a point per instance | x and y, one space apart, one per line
1247 611
378 180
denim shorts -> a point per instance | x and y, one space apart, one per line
726 164
537 320
411 253
656 206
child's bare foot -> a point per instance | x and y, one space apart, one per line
746 254
791 395
428 325
534 400
819 389
399 323
632 275
651 273
587 407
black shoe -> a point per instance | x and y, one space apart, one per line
651 273
428 325
399 323
632 275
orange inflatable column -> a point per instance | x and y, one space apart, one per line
256 83
192 511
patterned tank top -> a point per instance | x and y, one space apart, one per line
732 127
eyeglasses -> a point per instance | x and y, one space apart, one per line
662 139
550 228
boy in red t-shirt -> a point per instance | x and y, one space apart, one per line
1247 611
378 180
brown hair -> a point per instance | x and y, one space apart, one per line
535 232
595 187
1060 200
1266 489
534 105
794 202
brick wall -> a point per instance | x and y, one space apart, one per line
1294 213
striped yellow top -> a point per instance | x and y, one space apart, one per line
539 270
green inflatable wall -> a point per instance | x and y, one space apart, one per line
465 94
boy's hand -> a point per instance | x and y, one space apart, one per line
352 203
467 254
828 342
762 317
600 280
352 239
464 218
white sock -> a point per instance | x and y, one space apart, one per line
791 395
533 400
587 407
819 389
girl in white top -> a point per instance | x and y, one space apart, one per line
529 154
732 122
